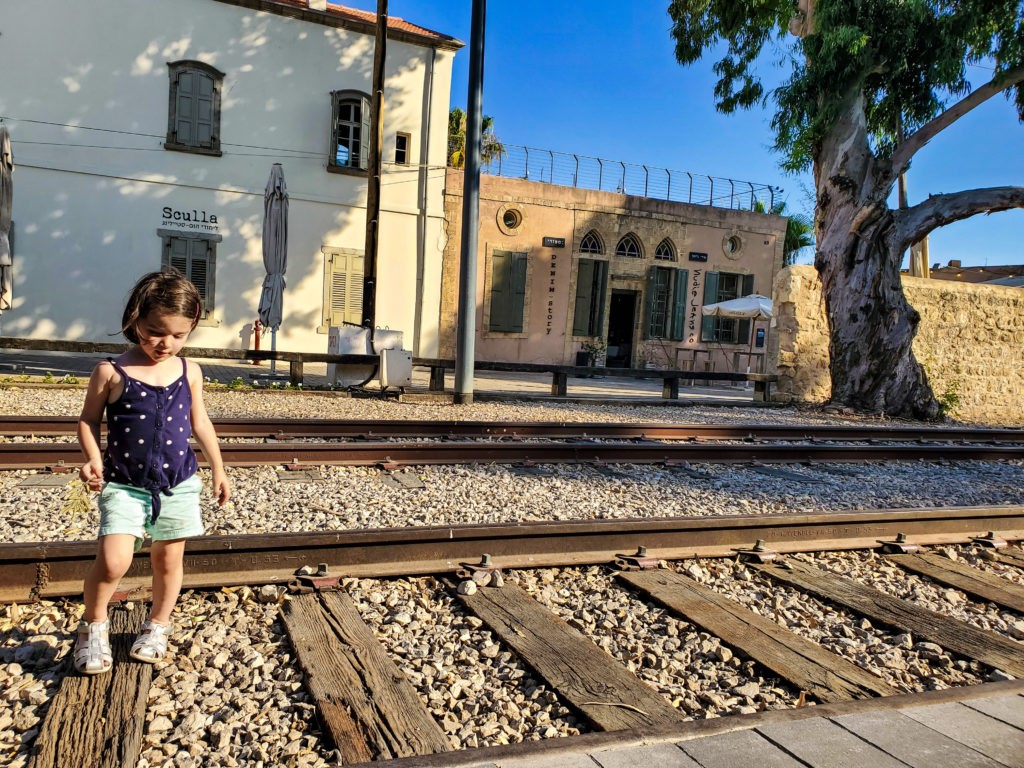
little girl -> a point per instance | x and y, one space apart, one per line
154 404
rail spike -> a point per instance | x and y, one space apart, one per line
307 580
899 546
989 541
641 561
485 573
759 553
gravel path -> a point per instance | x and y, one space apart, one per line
231 694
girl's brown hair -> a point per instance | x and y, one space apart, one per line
168 292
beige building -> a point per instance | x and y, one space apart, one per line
562 269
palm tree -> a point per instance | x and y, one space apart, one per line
491 147
799 230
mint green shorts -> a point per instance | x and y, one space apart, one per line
127 509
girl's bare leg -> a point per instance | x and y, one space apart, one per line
112 562
168 572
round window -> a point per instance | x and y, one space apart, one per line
509 219
732 246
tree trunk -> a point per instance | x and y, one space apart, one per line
871 325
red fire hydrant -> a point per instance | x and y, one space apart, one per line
257 330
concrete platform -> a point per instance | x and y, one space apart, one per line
487 384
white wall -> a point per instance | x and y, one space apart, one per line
87 112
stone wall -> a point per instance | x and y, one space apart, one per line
970 340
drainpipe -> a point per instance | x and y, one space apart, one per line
465 349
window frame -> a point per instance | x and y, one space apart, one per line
725 330
623 249
402 137
208 292
591 294
506 291
666 251
175 70
338 99
665 303
596 249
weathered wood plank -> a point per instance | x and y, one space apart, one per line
1009 709
97 720
738 748
1011 556
971 728
822 744
957 636
980 584
823 674
915 744
365 703
610 696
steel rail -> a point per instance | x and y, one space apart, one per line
370 428
53 569
41 455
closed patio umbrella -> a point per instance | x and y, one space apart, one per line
275 254
6 206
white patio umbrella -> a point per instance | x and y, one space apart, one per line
6 207
753 307
275 254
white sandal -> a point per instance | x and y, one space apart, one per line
151 644
92 651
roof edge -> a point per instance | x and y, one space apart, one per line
335 18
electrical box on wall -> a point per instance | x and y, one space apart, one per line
395 368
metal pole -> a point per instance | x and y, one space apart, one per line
465 349
373 171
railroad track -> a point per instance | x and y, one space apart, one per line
370 429
370 711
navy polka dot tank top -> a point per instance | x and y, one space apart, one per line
148 431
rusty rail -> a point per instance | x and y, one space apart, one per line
51 569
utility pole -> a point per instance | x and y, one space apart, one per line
919 250
374 162
465 346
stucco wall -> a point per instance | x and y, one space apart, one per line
88 115
970 340
568 214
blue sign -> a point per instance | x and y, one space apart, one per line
695 256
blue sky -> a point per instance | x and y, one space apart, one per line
600 79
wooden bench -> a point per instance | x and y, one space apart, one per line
560 375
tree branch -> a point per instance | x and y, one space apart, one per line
912 224
903 153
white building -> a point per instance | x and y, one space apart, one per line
144 132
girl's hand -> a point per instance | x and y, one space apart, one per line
221 488
91 474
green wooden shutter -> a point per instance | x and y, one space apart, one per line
204 94
518 290
600 291
584 297
707 326
363 151
650 298
748 285
678 312
501 303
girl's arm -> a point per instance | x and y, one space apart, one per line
206 435
89 424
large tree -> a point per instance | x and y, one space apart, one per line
873 82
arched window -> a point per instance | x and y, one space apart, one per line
591 243
665 251
350 130
629 247
193 114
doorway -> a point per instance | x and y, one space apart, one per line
621 323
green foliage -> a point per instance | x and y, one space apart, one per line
48 378
491 146
237 383
899 60
799 230
950 399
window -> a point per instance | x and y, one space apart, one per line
193 123
591 243
665 251
666 303
350 131
402 143
629 247
722 286
508 291
195 256
591 286
343 287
